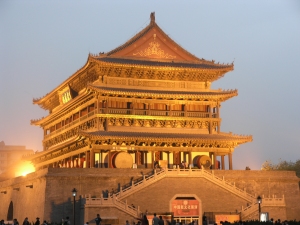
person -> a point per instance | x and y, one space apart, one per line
67 221
183 165
26 222
45 222
127 222
161 221
98 219
145 220
155 220
156 165
15 222
87 223
37 222
2 222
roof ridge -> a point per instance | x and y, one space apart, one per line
144 31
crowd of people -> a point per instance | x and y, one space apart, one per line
155 221
25 222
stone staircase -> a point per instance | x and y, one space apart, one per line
114 199
176 173
253 208
88 201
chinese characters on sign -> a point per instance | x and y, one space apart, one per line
185 207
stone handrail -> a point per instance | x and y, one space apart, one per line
136 186
88 201
265 202
115 199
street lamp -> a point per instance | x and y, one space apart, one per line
259 200
74 192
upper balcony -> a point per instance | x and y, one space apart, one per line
134 112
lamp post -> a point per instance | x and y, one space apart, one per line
259 200
74 192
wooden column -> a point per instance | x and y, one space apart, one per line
109 159
223 162
136 157
106 106
216 162
146 159
230 160
212 157
190 159
152 158
133 108
101 158
92 158
86 159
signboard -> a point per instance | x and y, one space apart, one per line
185 208
229 218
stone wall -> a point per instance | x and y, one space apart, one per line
27 202
51 197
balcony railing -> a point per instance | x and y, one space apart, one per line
156 112
135 112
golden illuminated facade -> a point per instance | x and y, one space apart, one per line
147 100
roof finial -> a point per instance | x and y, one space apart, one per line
152 17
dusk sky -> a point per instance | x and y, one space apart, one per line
42 43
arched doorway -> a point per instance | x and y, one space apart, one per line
10 212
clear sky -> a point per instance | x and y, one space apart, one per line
42 43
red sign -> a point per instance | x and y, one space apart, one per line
185 207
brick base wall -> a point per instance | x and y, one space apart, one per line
51 198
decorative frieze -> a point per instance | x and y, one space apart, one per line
145 72
161 123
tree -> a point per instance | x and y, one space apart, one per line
283 165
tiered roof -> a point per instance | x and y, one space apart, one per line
151 48
221 140
219 95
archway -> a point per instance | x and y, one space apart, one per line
10 212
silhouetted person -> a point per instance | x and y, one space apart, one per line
161 221
25 222
98 219
37 222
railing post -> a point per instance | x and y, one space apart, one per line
138 211
120 192
154 174
126 206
